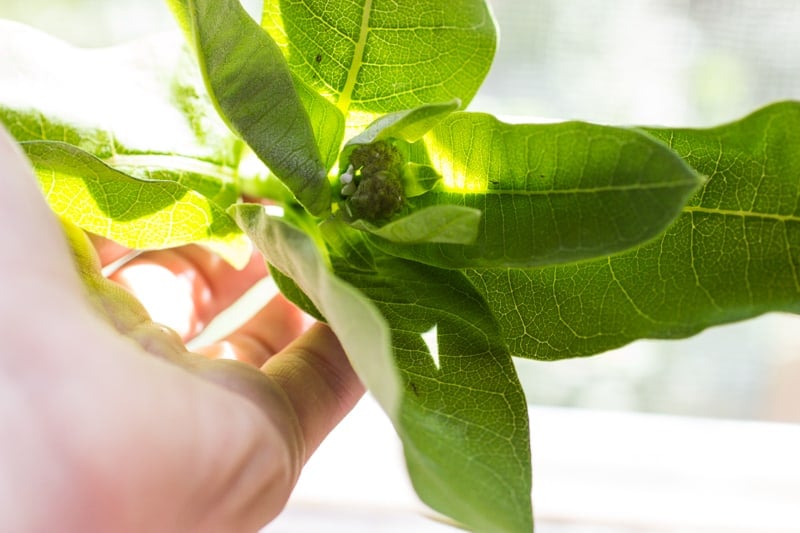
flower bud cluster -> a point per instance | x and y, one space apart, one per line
372 183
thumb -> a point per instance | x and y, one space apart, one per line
33 244
35 253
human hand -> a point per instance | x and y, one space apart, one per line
110 425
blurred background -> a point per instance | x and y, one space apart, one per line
661 62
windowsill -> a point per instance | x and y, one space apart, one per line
593 471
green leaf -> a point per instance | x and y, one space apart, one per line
342 240
326 120
435 224
418 179
464 423
409 125
136 213
372 58
223 192
358 325
734 253
549 193
294 294
91 107
252 86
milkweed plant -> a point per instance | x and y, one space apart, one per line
437 242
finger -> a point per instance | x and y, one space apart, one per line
107 250
269 331
307 388
317 378
304 391
185 288
35 250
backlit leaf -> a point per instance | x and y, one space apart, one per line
137 213
549 193
733 253
105 102
371 57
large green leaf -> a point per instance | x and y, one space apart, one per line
252 86
376 56
734 253
105 101
457 394
141 214
464 422
357 323
549 193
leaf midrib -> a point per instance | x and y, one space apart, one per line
345 97
591 190
741 213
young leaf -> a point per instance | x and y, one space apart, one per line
734 253
251 84
348 243
107 101
136 213
463 423
326 120
294 294
357 323
373 59
409 125
550 193
418 179
435 224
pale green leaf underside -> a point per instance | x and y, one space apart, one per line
136 213
294 294
357 323
437 223
464 421
734 253
372 56
409 125
326 120
105 102
252 86
549 193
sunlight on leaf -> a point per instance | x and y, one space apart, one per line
370 58
136 213
733 253
409 125
549 193
91 108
